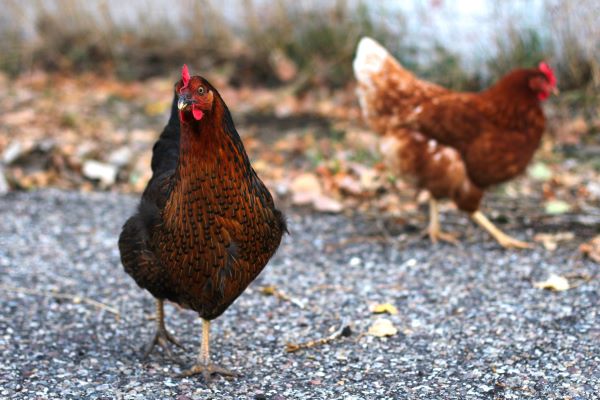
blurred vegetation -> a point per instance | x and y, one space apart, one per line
284 42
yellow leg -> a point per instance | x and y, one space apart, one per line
204 366
162 336
434 230
502 238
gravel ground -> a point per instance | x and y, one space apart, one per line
470 322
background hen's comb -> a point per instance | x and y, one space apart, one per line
545 68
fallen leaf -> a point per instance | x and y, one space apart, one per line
349 184
302 198
592 249
384 308
369 179
554 282
551 240
572 131
285 69
540 172
327 204
557 207
268 290
21 117
306 189
306 182
382 328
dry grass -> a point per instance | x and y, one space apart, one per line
318 40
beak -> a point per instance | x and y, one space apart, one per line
555 91
183 102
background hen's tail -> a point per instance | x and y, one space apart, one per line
371 67
165 152
387 92
369 61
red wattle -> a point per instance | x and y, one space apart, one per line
197 113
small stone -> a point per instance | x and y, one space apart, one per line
4 187
355 261
120 157
95 170
12 152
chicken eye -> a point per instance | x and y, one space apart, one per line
201 90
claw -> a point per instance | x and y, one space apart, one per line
162 336
162 339
436 235
502 238
207 371
434 231
511 243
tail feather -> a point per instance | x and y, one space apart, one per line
387 92
165 152
369 61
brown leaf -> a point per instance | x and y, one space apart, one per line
327 204
551 240
349 184
283 66
592 249
21 117
306 183
382 328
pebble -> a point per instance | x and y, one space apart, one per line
96 170
470 323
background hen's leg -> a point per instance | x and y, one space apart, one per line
502 238
203 365
434 230
162 336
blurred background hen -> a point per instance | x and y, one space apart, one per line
454 145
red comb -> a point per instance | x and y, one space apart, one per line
547 71
185 75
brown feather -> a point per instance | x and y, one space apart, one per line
217 227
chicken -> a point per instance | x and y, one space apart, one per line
454 145
206 225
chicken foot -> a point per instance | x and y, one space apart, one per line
502 238
162 336
434 230
204 366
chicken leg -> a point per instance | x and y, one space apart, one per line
434 230
162 336
505 241
204 366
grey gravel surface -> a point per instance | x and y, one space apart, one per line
470 322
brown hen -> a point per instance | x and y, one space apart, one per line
206 225
454 145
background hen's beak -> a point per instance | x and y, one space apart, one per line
555 91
